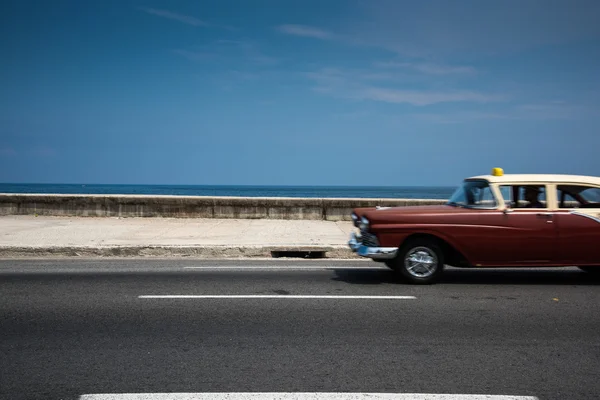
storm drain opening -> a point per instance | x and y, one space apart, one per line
297 254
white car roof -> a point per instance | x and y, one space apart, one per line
541 178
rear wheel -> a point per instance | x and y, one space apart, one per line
420 261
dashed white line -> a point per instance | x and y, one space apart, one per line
272 296
299 396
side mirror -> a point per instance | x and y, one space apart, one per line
508 207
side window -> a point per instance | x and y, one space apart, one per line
591 195
483 197
532 196
524 196
565 199
571 196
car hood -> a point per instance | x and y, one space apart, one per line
387 213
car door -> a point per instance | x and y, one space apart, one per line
578 222
529 234
519 236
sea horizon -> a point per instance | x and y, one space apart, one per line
313 191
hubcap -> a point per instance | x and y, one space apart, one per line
421 262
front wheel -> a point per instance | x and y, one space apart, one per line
420 261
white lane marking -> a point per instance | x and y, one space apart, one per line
298 396
283 267
270 296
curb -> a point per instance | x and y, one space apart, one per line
199 252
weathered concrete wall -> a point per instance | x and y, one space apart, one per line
191 206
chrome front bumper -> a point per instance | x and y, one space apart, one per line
379 253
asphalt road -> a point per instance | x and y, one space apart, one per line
70 328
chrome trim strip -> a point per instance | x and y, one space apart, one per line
585 215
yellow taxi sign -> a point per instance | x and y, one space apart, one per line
497 171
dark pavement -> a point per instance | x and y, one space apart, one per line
70 328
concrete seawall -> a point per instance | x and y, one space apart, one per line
73 205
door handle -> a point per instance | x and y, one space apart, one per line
547 216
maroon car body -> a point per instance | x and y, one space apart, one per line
488 222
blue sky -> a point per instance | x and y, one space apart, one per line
285 92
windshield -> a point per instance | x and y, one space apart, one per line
473 194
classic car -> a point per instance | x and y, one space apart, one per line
496 220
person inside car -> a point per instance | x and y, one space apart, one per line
531 196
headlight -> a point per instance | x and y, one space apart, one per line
364 224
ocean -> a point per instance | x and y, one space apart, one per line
403 192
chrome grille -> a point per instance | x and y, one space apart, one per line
369 240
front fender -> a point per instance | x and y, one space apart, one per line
390 235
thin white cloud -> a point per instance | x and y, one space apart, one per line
305 31
357 85
186 19
429 68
